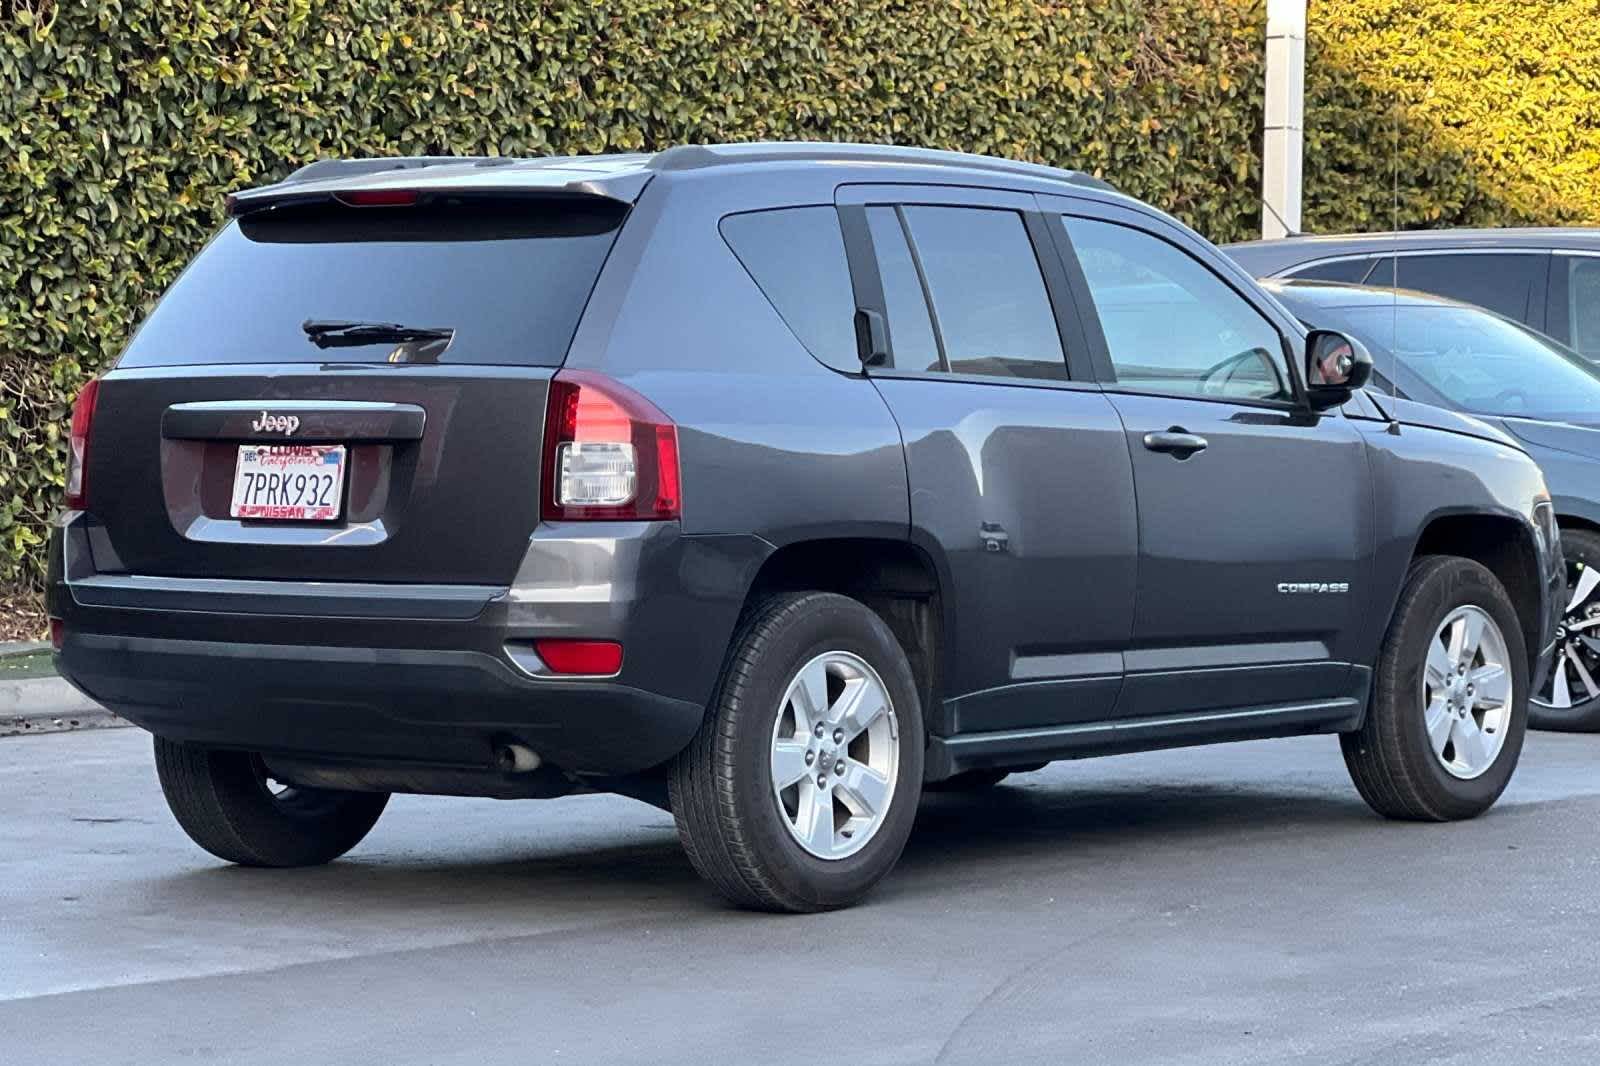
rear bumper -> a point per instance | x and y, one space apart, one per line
431 674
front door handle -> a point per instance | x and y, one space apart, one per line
1176 441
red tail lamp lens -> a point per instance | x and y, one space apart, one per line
608 453
580 656
78 445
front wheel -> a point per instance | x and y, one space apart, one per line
1570 699
229 805
799 792
1450 699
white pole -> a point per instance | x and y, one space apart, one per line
1283 133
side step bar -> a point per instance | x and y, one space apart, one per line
973 751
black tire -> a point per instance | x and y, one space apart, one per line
222 801
969 781
1582 549
721 786
1390 757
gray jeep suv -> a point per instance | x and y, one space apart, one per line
770 484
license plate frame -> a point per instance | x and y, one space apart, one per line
289 482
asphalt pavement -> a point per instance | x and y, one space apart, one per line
1232 905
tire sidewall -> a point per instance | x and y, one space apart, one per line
1458 584
838 624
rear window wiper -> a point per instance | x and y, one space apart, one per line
337 334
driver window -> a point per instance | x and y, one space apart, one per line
1170 324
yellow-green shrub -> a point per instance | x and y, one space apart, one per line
1490 110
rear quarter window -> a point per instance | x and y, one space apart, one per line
509 279
796 257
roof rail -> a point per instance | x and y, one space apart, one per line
700 156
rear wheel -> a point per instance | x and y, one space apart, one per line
228 804
799 792
1449 702
1570 699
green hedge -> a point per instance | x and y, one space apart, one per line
123 124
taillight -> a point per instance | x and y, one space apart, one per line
608 452
78 446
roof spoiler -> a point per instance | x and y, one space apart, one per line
455 176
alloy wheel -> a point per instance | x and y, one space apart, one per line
1467 692
1575 675
835 755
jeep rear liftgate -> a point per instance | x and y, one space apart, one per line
346 391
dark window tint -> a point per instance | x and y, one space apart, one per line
989 301
1348 270
511 283
1503 283
796 256
1583 304
1170 324
910 328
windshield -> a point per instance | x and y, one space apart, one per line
1474 360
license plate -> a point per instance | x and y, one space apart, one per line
289 482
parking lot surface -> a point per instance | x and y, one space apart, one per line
1223 905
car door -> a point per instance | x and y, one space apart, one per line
1254 513
1020 482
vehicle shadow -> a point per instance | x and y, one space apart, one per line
1019 816
646 875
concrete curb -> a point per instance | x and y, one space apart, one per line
49 705
30 647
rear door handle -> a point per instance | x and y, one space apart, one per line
1176 441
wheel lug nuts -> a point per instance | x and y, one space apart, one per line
838 736
822 780
811 757
819 731
1462 670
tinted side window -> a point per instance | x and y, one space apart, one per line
796 256
990 307
1353 271
1583 304
1170 324
910 328
1503 283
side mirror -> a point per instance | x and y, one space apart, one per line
1336 366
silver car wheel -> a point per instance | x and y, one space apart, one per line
835 755
1467 692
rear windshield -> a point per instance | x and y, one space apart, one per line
508 281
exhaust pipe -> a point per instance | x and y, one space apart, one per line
517 759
